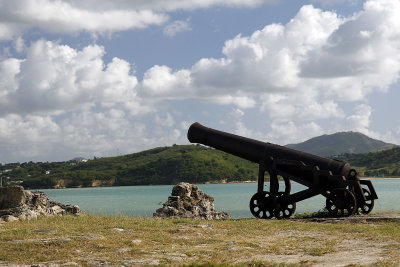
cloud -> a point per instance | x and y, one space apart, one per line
307 66
293 132
240 128
57 98
68 17
56 78
360 120
176 27
67 102
27 137
161 5
167 121
239 100
84 133
162 82
335 2
97 16
19 45
300 106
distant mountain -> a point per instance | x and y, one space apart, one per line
341 143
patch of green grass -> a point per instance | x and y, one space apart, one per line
323 213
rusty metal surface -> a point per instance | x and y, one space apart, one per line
345 193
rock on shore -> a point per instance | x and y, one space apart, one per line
18 204
188 201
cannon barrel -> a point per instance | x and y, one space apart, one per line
257 151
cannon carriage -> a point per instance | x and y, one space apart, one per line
345 193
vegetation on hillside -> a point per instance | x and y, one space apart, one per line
384 163
170 165
163 165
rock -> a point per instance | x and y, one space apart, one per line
136 241
98 262
41 240
56 210
22 217
121 230
71 263
182 190
123 250
44 231
11 197
10 218
145 262
30 214
187 201
27 205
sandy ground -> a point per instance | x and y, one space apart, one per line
357 252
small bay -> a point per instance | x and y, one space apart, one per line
233 198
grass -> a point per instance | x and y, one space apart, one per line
101 240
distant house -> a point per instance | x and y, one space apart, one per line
79 159
48 172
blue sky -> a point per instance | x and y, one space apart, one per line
102 78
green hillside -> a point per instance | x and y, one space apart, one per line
341 143
163 165
384 163
190 163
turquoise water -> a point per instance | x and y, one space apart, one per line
234 198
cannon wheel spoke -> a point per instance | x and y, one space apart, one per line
367 205
260 205
330 205
285 211
341 202
267 215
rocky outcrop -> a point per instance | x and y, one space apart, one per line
11 196
188 201
18 204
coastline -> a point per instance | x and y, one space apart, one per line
108 184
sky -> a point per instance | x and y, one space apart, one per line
99 78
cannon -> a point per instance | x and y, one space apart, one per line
345 193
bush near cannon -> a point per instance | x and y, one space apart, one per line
345 193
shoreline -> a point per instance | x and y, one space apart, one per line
213 182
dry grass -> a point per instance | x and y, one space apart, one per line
127 241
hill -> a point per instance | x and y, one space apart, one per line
341 143
163 165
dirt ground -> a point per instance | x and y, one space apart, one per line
188 242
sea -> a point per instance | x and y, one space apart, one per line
143 201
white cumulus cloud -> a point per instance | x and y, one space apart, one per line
302 70
176 27
97 16
56 98
70 17
56 78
